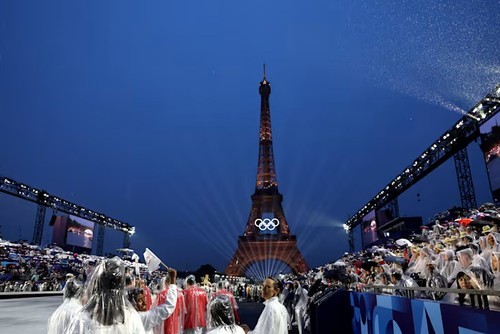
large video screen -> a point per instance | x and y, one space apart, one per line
490 145
494 174
79 232
369 228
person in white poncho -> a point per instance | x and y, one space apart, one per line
157 315
274 318
107 310
300 306
220 316
60 319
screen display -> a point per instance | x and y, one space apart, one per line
79 232
369 228
493 166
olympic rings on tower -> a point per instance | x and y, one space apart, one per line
266 223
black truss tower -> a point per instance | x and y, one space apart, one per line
100 240
39 220
464 177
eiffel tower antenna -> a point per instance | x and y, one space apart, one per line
264 70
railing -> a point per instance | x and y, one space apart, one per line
361 310
410 292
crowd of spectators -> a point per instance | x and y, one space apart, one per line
456 251
29 268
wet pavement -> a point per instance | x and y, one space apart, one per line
30 315
27 315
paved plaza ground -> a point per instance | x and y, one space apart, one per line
29 315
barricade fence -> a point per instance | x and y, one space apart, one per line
360 309
374 288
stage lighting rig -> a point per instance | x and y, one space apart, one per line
447 145
44 199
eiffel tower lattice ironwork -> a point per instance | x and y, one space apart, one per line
267 235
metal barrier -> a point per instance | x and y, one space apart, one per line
331 301
478 297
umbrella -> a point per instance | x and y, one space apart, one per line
492 219
480 222
339 263
403 242
464 221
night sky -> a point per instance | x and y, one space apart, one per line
148 112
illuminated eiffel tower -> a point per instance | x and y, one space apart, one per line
267 235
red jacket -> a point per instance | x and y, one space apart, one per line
176 319
196 307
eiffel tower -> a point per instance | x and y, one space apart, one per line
267 235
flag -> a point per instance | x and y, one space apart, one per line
135 257
152 261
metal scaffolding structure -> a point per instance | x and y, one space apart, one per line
44 200
100 240
464 177
39 222
455 139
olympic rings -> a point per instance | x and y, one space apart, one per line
266 223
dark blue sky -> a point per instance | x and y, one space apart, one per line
149 112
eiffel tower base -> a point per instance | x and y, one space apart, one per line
253 251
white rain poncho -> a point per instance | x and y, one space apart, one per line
300 305
492 245
495 268
434 280
157 314
468 280
59 321
220 317
107 310
448 270
273 319
404 281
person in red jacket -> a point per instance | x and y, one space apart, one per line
196 307
175 323
147 293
